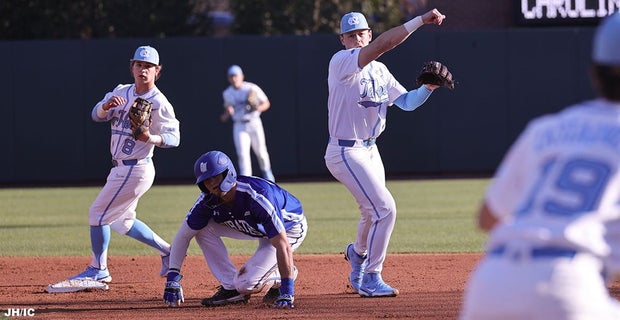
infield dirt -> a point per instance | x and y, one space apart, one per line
431 287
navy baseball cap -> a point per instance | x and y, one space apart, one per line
606 46
146 54
353 21
234 70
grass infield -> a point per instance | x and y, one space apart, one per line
434 216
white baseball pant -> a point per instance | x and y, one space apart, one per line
260 270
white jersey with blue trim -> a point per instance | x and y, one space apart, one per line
122 144
559 184
260 209
372 88
238 98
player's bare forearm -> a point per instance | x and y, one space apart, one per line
382 44
395 36
180 245
284 255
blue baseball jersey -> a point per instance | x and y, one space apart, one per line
260 209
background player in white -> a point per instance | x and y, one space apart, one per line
133 171
247 124
244 208
360 91
553 209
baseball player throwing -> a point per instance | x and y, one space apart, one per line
132 172
360 91
244 208
553 210
244 102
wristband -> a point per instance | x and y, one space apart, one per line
287 287
413 24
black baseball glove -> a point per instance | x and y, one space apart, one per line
434 72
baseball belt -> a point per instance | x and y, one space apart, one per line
130 162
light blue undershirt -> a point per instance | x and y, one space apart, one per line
411 100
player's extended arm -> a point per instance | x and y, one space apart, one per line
173 292
409 101
395 36
284 255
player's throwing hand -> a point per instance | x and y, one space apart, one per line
433 17
114 102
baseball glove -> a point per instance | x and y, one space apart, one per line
252 100
140 116
434 72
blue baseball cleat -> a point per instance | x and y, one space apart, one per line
373 286
358 264
165 264
92 273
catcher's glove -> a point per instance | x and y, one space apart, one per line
252 100
434 72
140 116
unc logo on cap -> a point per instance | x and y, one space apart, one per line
353 21
146 54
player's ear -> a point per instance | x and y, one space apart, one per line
158 70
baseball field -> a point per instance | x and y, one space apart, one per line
435 245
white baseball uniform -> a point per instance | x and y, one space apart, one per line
132 165
132 172
557 197
357 108
248 129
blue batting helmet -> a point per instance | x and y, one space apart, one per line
211 164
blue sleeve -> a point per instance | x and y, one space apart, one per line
411 100
199 215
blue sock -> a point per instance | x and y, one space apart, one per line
99 242
141 232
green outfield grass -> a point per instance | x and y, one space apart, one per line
433 216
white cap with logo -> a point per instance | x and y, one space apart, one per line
606 46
